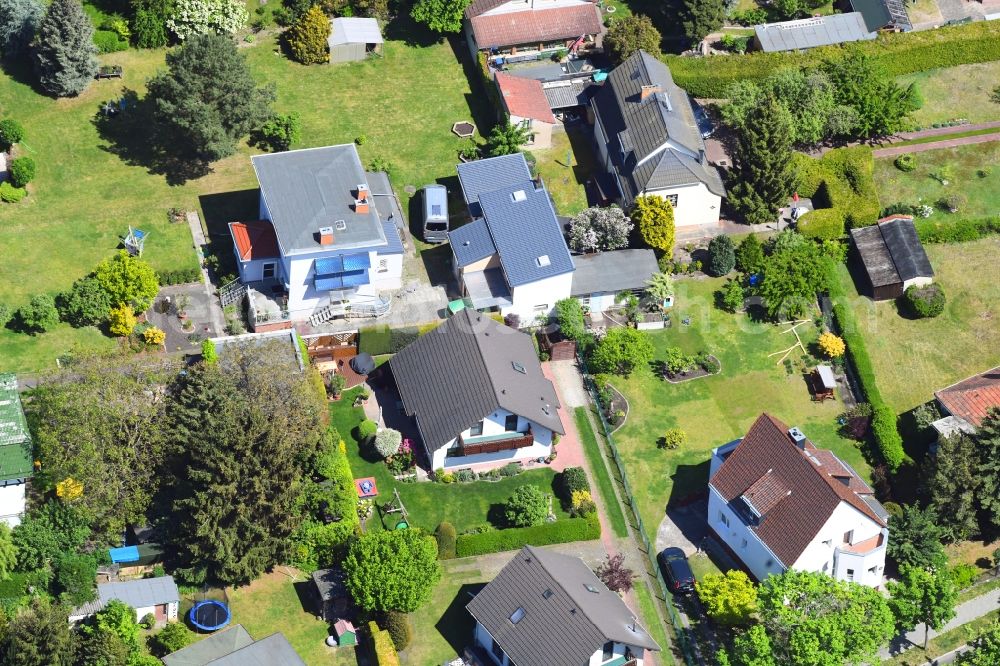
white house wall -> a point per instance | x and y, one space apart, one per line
599 302
757 557
303 298
391 277
696 205
819 555
12 503
597 658
253 271
494 424
527 297
528 5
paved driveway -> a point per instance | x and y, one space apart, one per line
683 527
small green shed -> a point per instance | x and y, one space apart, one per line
345 632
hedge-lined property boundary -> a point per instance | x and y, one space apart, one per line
841 185
561 531
900 53
958 231
382 646
884 430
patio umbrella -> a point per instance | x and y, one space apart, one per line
363 364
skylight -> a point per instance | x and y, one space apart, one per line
519 367
341 225
517 615
543 261
591 588
546 594
519 195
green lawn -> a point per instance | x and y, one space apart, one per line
596 456
914 358
717 409
442 628
956 92
85 195
566 184
465 505
983 193
650 619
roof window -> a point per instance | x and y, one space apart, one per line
543 261
518 196
591 588
340 225
517 615
519 367
547 593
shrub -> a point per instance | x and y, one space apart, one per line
722 256
39 315
307 38
731 296
569 315
155 336
561 531
673 438
954 202
400 628
208 352
85 304
149 30
200 17
382 646
278 133
121 320
822 224
927 301
171 638
569 481
22 171
527 506
108 41
832 345
510 469
445 536
906 162
964 575
180 276
959 231
620 351
11 194
5 315
583 504
148 621
11 132
367 430
387 442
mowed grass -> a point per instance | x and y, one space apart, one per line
956 92
565 181
717 409
983 192
465 505
945 643
595 453
85 195
276 602
443 627
915 357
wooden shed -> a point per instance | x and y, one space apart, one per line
353 38
892 256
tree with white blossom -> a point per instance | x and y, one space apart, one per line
598 229
202 17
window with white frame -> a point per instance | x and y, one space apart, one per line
672 198
269 270
383 265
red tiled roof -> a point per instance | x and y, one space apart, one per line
524 97
535 26
255 240
972 398
789 522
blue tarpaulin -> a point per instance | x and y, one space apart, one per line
124 554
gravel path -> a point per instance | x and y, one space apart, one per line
935 145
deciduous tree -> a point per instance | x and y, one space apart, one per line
8 552
444 16
863 84
19 19
74 578
629 34
729 598
923 595
206 17
655 217
762 177
527 506
38 635
791 280
985 649
569 316
392 570
620 351
615 575
598 229
128 280
65 55
47 531
39 314
701 17
307 38
731 296
207 98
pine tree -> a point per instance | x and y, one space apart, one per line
952 481
38 636
19 20
701 17
307 38
762 173
988 451
65 55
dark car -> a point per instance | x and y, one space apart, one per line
701 118
676 570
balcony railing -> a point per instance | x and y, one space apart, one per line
470 446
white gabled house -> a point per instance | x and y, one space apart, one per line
327 243
476 392
780 503
16 466
648 140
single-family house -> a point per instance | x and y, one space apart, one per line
892 256
966 403
476 393
600 277
809 33
148 596
235 646
649 142
778 502
885 15
524 103
517 30
16 466
353 38
327 243
512 256
548 608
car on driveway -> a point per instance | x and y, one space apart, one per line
704 122
676 570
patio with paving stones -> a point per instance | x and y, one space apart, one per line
163 315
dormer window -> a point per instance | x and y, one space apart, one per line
608 651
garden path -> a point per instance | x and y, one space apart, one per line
964 613
936 145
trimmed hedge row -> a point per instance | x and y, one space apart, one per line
824 223
959 231
843 179
182 276
378 340
382 647
900 53
561 531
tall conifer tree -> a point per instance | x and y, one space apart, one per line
65 55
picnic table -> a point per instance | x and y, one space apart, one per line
109 72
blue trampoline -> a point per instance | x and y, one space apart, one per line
209 615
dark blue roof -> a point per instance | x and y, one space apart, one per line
526 233
471 242
342 263
392 237
490 174
341 280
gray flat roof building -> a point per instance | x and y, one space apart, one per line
617 270
809 33
235 647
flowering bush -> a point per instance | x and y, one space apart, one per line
832 345
199 17
403 459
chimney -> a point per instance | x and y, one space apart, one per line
798 437
361 205
646 91
363 192
326 235
701 156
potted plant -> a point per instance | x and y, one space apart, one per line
336 385
183 301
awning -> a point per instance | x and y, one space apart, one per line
124 554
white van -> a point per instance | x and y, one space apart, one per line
435 213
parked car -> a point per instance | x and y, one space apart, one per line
701 118
435 213
676 570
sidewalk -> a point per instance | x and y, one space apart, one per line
965 613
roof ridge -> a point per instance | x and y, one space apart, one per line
482 352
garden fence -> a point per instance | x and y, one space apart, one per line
683 641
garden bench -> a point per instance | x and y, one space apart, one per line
109 72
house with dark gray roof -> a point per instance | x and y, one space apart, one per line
892 256
476 393
512 257
236 647
158 597
808 33
779 502
328 241
548 608
649 142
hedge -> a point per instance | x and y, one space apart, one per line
382 648
379 340
824 223
899 53
446 539
561 531
108 41
182 276
841 179
959 231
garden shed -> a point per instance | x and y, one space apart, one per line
330 588
353 38
892 256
